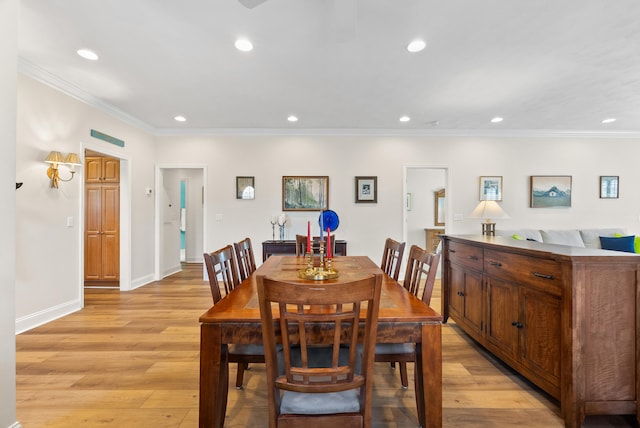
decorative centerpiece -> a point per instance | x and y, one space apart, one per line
324 270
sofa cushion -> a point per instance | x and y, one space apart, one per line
562 237
636 244
591 237
523 234
623 243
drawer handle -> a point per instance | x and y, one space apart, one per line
460 293
516 324
496 264
542 275
452 251
472 257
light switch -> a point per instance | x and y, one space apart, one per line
458 217
219 217
69 221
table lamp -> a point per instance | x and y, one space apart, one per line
488 210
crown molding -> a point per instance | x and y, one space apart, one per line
38 73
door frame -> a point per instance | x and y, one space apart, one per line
159 181
125 215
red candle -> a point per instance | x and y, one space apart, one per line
328 242
308 237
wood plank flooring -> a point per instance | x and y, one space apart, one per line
132 359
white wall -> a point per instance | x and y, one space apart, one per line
422 183
8 89
365 226
49 260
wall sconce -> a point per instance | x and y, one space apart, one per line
55 159
488 210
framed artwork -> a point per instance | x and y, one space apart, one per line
245 188
305 193
366 190
550 191
491 188
609 186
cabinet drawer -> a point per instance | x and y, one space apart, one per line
543 274
467 255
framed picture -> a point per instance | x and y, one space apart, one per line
609 186
491 188
245 188
366 190
305 193
550 191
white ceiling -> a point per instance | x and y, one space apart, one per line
541 64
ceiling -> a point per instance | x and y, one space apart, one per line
342 65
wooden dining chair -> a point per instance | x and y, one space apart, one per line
419 264
317 377
244 258
392 258
301 244
223 274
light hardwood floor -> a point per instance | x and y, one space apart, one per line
132 359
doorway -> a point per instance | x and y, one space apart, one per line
425 212
180 225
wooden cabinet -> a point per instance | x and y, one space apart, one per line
270 248
101 169
102 222
565 318
432 239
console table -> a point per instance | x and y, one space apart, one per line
270 248
566 318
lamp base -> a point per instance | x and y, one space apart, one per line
489 229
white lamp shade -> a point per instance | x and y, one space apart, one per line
488 210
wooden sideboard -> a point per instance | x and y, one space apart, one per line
432 239
565 318
270 248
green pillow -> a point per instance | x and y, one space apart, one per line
636 242
518 237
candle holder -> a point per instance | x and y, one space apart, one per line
273 229
281 226
318 273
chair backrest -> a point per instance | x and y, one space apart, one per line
301 244
221 268
244 258
392 258
419 263
312 315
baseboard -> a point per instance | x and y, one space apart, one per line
40 318
15 425
171 271
139 282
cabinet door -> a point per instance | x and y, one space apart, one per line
92 169
110 231
540 336
111 170
92 233
503 325
466 296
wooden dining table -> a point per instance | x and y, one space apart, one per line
403 318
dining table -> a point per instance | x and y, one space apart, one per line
403 318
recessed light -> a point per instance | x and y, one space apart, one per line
244 45
292 118
404 119
609 120
497 120
88 54
416 45
180 119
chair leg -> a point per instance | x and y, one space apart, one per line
393 365
240 375
403 375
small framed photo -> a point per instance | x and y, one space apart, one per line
245 188
609 186
550 191
366 190
305 193
491 188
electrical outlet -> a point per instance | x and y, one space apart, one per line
69 221
219 217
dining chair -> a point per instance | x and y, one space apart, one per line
318 377
392 258
420 263
222 272
244 258
301 244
